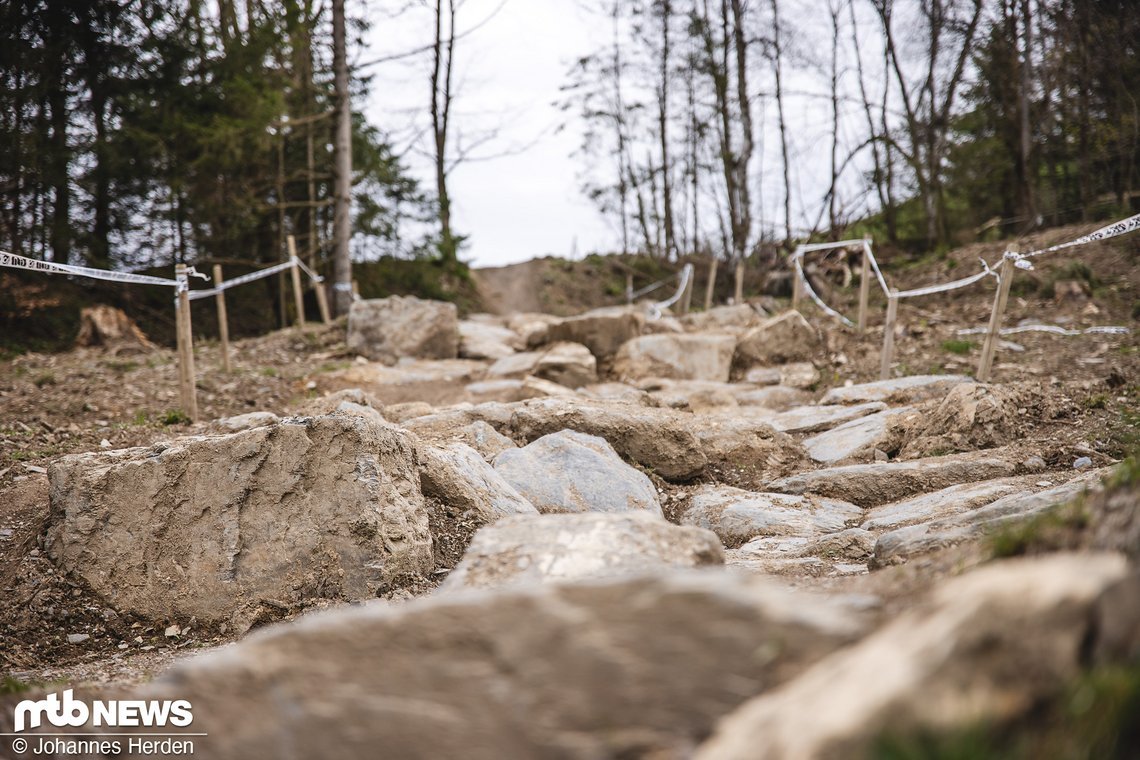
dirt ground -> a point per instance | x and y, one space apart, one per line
54 629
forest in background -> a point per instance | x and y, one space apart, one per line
139 133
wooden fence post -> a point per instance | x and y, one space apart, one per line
889 336
223 320
738 289
864 288
186 380
993 333
711 284
687 298
797 284
322 302
298 294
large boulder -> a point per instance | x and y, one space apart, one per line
563 548
631 668
738 516
990 646
458 476
779 340
601 330
387 329
569 471
197 527
704 356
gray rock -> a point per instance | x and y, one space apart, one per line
744 451
351 401
989 646
410 380
246 421
387 329
870 485
1082 463
484 439
570 471
799 375
722 317
737 516
458 476
899 545
704 356
813 419
568 364
1034 464
511 390
514 366
562 548
776 397
779 340
601 330
195 527
480 340
947 501
854 544
623 668
905 390
77 638
857 438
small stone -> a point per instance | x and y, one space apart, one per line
1034 464
311 385
105 444
1042 483
123 645
173 631
881 456
6 533
33 468
1082 463
77 638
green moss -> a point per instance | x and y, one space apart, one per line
1096 401
1051 530
960 347
174 417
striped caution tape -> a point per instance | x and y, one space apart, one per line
1116 229
52 267
797 260
1053 329
245 278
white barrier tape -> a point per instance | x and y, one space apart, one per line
875 267
946 286
251 277
312 275
1053 329
686 274
1123 227
653 286
797 260
51 267
809 247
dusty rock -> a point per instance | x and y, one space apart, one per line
799 375
937 504
570 471
245 421
738 516
813 419
853 544
617 392
721 317
533 328
601 330
660 439
568 364
776 397
991 644
562 548
899 545
743 451
627 668
972 416
387 329
484 439
855 439
411 380
351 401
514 365
870 485
762 375
694 395
779 340
903 390
704 356
459 477
409 410
511 390
480 340
193 528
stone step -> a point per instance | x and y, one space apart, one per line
904 390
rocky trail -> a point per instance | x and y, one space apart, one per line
606 535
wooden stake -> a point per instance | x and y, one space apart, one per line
186 380
355 290
711 284
797 286
889 336
864 289
223 320
993 334
322 302
687 298
738 290
298 294
629 287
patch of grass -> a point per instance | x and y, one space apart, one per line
1096 401
957 346
141 418
333 366
10 685
121 367
174 417
44 378
1051 530
268 372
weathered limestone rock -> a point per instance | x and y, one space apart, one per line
990 646
484 439
661 439
722 317
570 471
743 451
568 364
870 485
937 504
779 340
855 438
197 527
412 380
562 548
480 340
902 390
407 410
459 477
617 392
533 328
512 390
799 375
775 397
628 668
738 516
388 329
814 419
246 421
704 356
515 365
601 330
351 401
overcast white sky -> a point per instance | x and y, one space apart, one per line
516 206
